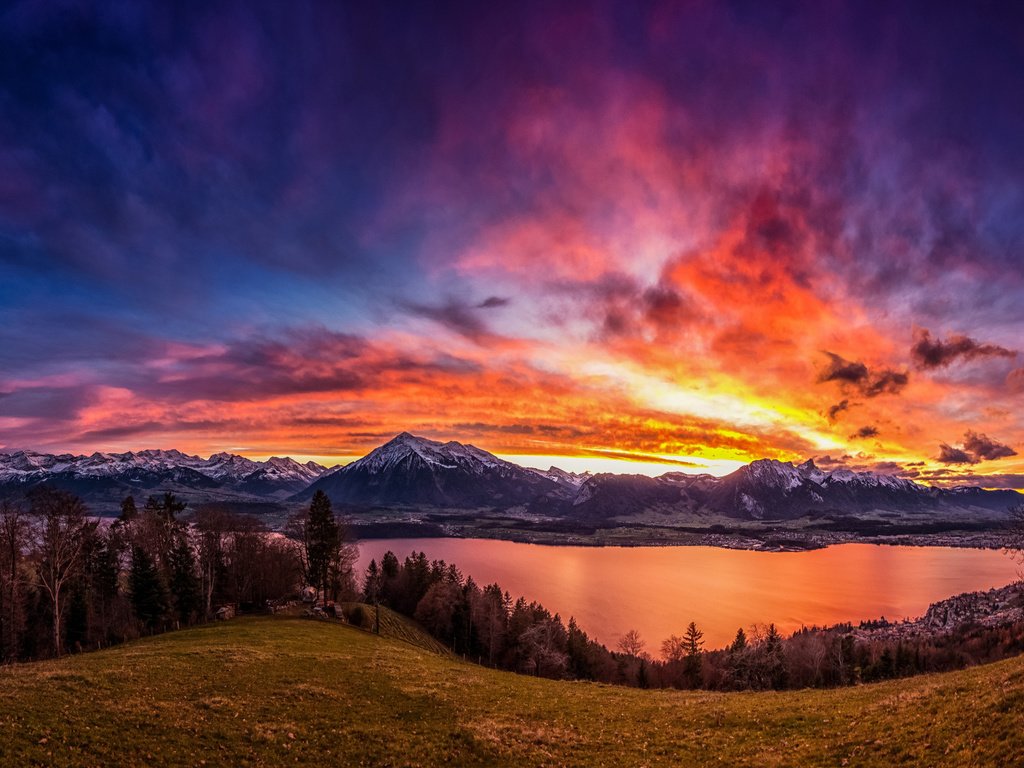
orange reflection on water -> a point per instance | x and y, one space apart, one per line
659 590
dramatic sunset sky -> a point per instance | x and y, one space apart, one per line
616 234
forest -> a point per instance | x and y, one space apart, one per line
70 583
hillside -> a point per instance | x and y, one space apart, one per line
395 625
277 690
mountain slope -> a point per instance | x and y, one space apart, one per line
773 490
103 479
276 691
411 470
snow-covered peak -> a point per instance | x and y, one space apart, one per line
286 467
776 474
222 466
809 470
571 479
871 480
444 455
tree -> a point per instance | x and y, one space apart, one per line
317 531
128 510
673 650
149 595
693 641
543 645
632 644
184 582
737 661
213 526
739 644
13 539
371 591
774 658
60 534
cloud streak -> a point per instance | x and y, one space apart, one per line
929 353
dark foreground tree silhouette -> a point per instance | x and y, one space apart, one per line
326 556
693 641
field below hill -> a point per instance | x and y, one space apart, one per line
284 691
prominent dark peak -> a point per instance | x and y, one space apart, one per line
411 470
808 466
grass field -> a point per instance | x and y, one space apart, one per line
287 691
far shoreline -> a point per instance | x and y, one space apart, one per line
777 541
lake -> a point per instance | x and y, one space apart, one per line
659 590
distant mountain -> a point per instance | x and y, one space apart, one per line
767 489
412 470
103 479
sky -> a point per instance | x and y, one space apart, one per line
619 236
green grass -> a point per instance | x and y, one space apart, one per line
399 627
286 691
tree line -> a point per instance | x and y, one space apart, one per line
71 582
485 625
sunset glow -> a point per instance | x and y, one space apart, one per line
559 239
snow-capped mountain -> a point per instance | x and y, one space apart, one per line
767 489
104 478
560 476
410 470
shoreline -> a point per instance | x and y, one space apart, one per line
767 541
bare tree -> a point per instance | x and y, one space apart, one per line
60 529
13 538
632 644
213 526
673 649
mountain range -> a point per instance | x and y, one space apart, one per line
414 472
103 479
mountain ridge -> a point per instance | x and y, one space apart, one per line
411 471
103 478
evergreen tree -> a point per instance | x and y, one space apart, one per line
76 625
693 640
14 537
739 644
371 592
775 659
149 595
128 510
322 541
185 586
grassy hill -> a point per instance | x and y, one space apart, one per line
399 627
281 690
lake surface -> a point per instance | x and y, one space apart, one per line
659 590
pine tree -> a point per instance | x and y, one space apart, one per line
149 595
775 659
739 644
128 509
322 541
693 640
184 582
